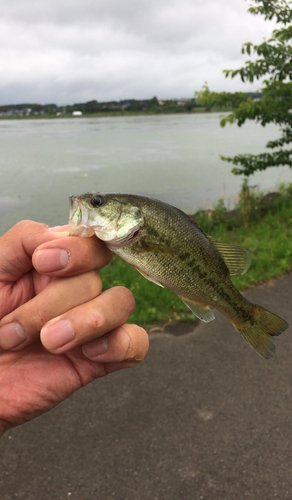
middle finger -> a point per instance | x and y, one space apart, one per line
22 326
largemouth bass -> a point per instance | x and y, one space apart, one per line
169 248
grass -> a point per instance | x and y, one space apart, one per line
261 224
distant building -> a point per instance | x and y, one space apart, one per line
77 113
183 102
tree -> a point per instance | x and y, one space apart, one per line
275 104
91 107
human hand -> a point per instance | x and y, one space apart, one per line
58 332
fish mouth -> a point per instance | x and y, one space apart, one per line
78 219
83 223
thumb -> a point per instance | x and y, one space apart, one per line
18 245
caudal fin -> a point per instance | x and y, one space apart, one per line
260 329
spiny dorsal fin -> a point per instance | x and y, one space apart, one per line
236 258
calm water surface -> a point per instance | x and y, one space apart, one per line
174 158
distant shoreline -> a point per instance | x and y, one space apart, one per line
108 114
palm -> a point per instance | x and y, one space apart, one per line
32 381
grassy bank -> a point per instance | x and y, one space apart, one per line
261 224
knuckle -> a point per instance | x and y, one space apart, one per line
127 297
91 282
25 226
37 320
21 225
98 321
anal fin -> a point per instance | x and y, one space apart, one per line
202 312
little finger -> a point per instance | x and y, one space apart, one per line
121 348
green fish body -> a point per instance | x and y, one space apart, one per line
170 249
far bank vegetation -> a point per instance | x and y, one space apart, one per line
112 108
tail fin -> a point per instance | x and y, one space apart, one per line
260 329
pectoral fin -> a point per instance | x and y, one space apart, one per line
149 277
236 258
202 312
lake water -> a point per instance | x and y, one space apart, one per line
174 158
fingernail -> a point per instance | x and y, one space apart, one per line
95 347
57 334
53 259
11 335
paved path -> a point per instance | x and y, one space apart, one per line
203 418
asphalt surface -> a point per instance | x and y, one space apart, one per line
202 418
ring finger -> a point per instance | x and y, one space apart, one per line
86 322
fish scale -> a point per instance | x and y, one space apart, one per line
169 248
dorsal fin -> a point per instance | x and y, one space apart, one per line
192 220
196 223
236 258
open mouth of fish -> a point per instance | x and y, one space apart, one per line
82 224
78 219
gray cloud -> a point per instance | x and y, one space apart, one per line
67 51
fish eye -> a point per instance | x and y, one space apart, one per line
97 201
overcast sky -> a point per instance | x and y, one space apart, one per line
68 51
